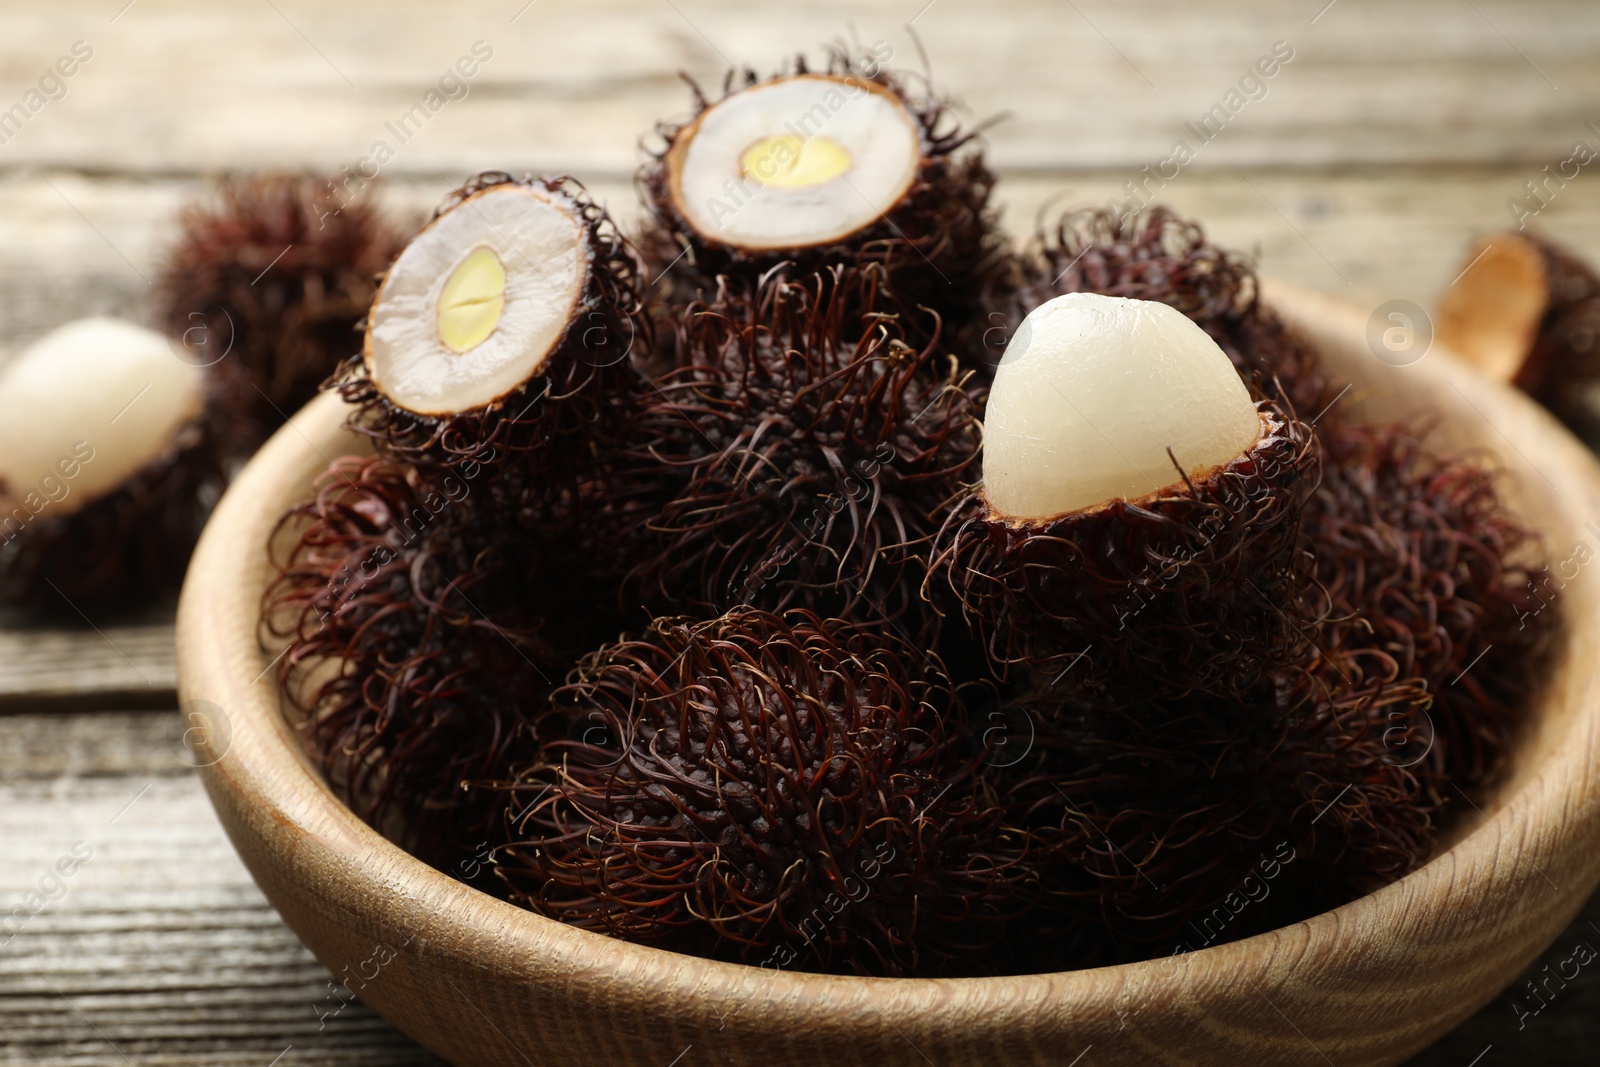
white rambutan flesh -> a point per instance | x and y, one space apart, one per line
795 162
87 406
1102 398
478 302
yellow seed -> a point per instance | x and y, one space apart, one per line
472 300
787 162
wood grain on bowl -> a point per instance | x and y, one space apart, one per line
484 983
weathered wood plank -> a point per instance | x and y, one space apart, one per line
113 666
163 947
72 245
157 948
175 87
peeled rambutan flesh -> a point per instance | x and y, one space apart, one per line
411 647
107 468
1158 255
1138 521
818 168
503 335
802 451
1527 311
268 287
769 788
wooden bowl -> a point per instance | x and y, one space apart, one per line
484 983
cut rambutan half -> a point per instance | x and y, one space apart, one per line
268 288
780 790
505 329
1527 312
107 469
412 647
1424 566
1159 255
1138 517
844 165
802 453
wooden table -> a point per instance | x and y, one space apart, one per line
1394 134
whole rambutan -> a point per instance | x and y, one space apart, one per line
1158 255
1423 564
505 331
852 164
804 453
268 287
412 644
1138 520
1174 825
775 789
107 469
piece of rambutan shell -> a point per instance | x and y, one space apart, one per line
542 429
1200 586
125 551
801 454
411 648
1424 564
268 287
1526 311
1156 254
938 239
780 790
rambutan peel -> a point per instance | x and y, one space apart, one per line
268 288
1197 587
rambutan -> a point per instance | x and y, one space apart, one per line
775 789
1159 255
1424 565
852 164
268 287
806 450
1138 519
107 468
1173 825
1527 311
507 329
413 647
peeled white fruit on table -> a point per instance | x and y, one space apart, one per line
100 397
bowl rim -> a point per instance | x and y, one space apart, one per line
261 759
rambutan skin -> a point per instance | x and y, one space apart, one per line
1564 365
122 551
1197 587
1158 255
806 450
269 288
941 243
547 426
411 652
1424 565
776 789
1174 825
